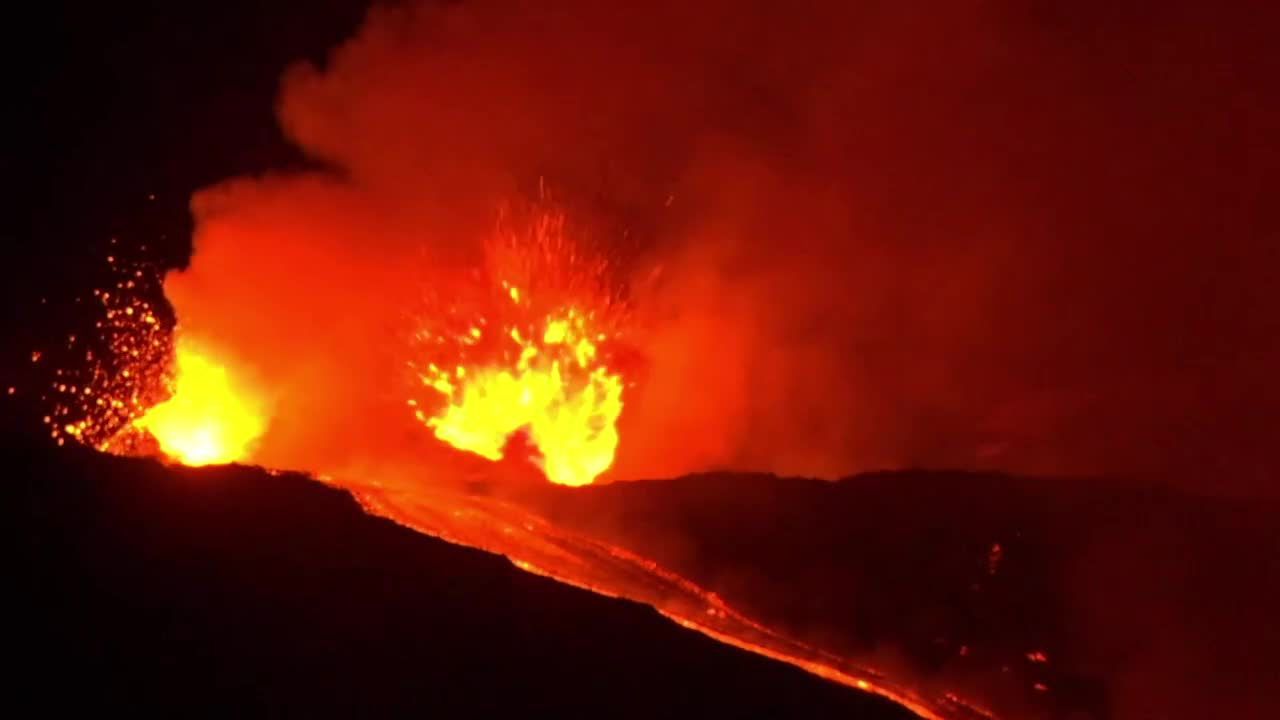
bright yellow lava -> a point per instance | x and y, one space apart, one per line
555 390
208 420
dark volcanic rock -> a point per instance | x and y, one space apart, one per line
1039 597
231 591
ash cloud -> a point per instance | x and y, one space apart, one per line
976 234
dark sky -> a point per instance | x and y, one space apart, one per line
111 105
1018 235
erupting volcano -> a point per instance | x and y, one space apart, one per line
668 302
531 341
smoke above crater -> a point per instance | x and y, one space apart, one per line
849 235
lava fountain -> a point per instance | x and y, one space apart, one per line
529 345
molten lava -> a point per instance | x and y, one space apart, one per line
526 352
554 389
208 419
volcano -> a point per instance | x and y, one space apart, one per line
233 588
957 594
233 591
637 299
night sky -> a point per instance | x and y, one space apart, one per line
121 113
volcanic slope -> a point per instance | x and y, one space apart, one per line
1033 597
234 591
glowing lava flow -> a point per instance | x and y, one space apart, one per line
208 419
528 353
538 546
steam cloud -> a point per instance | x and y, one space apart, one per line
987 234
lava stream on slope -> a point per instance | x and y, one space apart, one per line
535 545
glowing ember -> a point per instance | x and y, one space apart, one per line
208 420
112 375
529 356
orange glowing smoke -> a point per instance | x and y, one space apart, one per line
209 418
529 354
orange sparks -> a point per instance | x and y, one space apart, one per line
116 372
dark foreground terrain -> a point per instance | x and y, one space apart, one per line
235 591
1037 597
231 591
